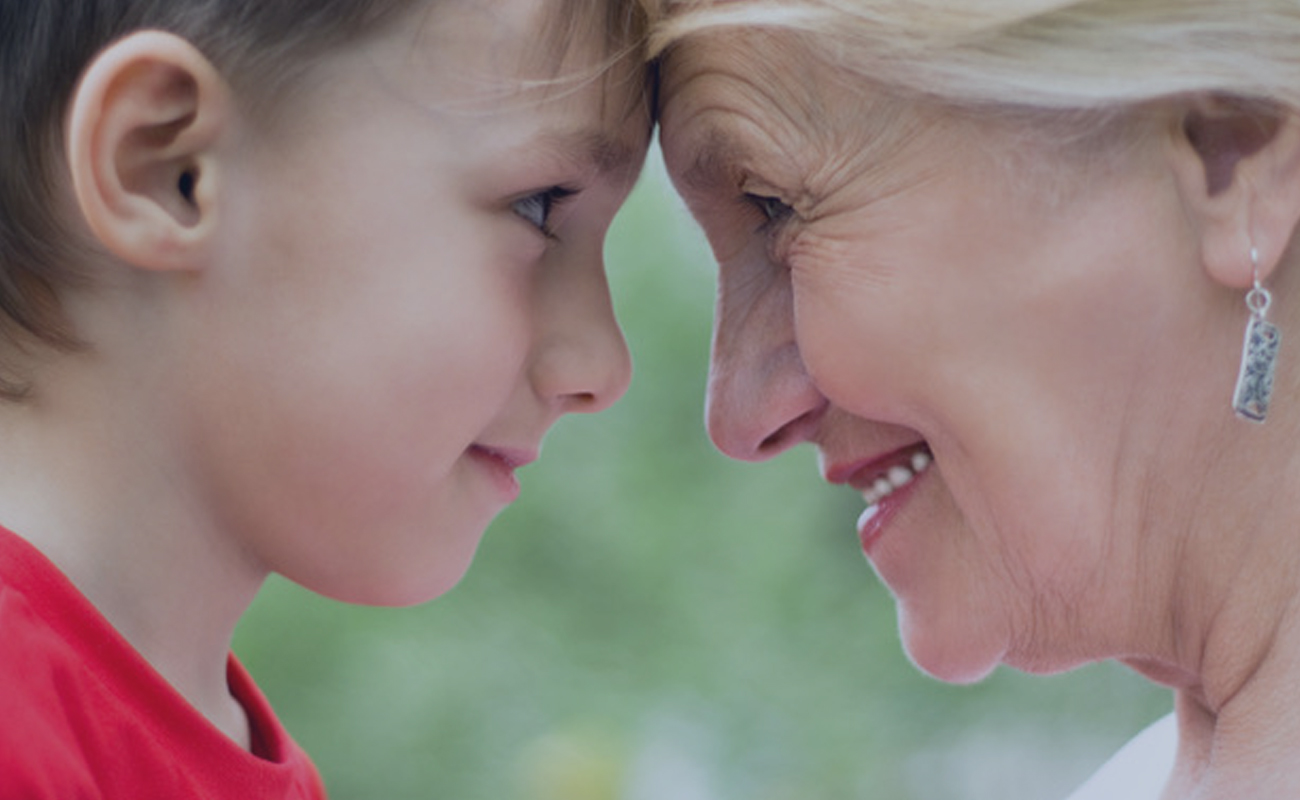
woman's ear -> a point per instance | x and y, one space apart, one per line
142 135
1238 166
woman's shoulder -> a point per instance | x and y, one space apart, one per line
1140 768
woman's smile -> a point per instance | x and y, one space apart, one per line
886 483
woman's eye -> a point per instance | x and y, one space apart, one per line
536 208
772 208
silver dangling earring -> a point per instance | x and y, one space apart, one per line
1258 353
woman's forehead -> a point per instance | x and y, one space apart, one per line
730 102
775 77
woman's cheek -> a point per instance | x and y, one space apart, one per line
844 334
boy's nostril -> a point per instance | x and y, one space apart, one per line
582 399
186 185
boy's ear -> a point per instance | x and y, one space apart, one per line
142 132
1238 168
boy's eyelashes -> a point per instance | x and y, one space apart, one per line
537 207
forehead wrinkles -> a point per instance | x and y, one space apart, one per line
863 132
756 102
732 116
880 146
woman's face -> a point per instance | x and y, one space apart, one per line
973 332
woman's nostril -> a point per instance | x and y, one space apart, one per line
775 443
796 430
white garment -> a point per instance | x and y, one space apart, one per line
1139 770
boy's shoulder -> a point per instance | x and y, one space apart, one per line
84 715
38 742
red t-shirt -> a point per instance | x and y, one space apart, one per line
83 715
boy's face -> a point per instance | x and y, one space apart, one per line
409 293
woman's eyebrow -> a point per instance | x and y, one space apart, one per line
713 162
710 161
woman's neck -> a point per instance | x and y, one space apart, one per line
1224 625
1237 620
1243 746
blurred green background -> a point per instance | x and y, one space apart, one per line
654 622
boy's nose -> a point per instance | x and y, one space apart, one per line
761 400
581 362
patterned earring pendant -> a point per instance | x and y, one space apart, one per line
1258 356
1258 362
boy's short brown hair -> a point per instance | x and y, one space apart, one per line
261 46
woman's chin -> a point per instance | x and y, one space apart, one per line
948 656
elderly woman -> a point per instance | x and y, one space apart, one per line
1020 271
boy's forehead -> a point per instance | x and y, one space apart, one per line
487 57
533 40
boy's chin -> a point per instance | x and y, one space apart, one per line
407 583
417 594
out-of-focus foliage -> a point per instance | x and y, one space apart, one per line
654 622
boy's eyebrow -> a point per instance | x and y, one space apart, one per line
593 147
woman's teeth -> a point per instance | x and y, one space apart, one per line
896 477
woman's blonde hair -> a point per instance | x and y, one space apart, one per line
1050 54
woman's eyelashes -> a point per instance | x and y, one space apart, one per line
536 208
773 209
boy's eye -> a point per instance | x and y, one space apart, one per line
772 208
536 208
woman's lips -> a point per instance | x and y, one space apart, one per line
886 482
877 484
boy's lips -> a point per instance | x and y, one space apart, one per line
511 457
501 463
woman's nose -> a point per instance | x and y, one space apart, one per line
761 400
581 362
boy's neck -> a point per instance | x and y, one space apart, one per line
88 494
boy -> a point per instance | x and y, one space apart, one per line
287 287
